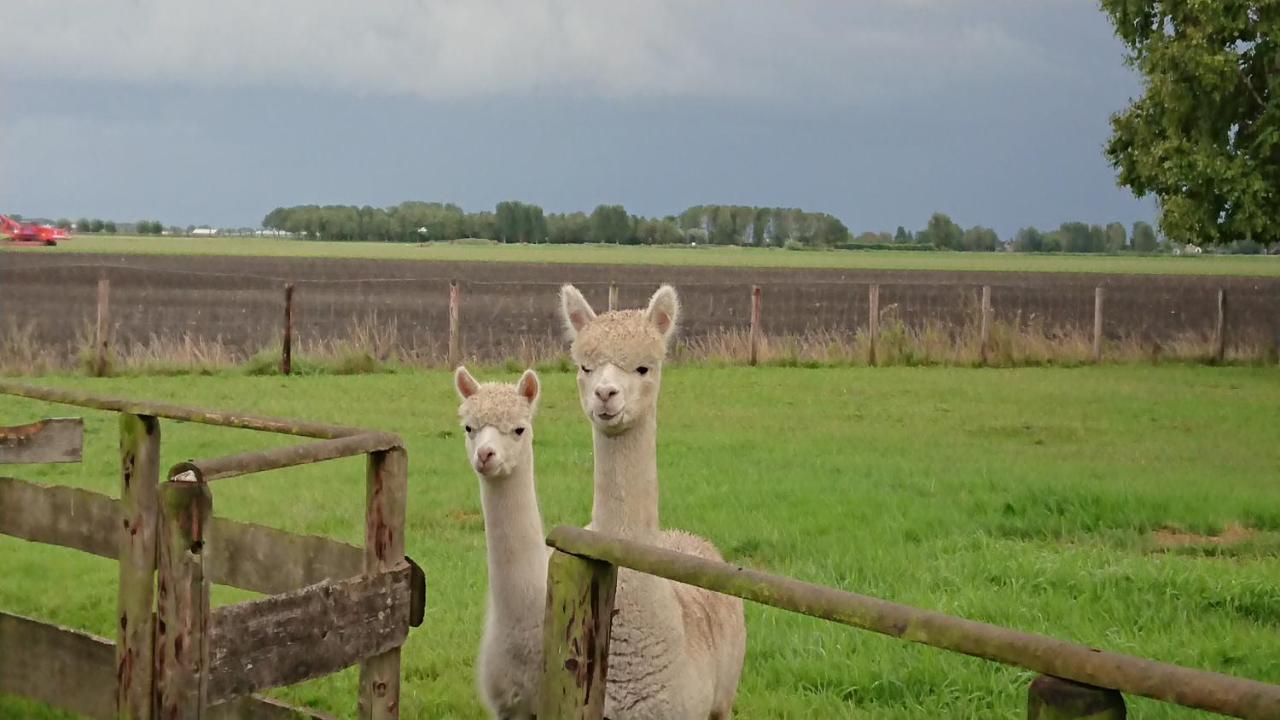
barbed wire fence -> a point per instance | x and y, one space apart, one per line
439 321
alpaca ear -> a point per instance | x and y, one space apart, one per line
664 310
575 310
529 387
466 385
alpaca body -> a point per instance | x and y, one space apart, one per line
498 422
510 659
715 625
675 651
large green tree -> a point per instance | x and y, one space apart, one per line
1028 239
1144 238
610 224
980 239
942 233
1117 238
1204 138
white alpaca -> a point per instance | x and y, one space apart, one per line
676 651
498 422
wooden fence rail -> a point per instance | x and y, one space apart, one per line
177 412
276 641
333 605
37 659
284 457
244 555
1098 668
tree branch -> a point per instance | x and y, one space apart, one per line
1252 90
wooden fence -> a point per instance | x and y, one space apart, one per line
1074 682
983 318
330 605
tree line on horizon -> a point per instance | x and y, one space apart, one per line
519 222
741 225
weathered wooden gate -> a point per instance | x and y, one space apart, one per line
331 605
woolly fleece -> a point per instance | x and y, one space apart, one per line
498 404
622 337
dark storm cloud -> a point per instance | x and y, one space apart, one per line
878 111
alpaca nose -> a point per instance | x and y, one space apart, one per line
606 392
484 455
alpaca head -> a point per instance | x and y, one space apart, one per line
498 420
619 356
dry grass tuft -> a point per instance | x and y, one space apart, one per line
1171 537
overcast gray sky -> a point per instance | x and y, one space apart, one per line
877 111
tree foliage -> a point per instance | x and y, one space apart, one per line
1028 239
520 222
610 224
764 226
942 233
514 221
1117 238
1204 138
1144 238
980 239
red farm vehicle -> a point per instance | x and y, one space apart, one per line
20 233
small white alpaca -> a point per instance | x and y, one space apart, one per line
498 420
676 651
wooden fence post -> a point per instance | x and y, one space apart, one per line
1275 345
984 338
1051 698
755 325
183 609
140 476
286 347
1220 329
873 323
455 343
1099 299
386 490
575 646
102 341
613 297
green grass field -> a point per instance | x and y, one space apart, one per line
705 256
1026 498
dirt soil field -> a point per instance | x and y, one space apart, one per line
240 299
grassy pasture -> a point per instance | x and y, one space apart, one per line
718 256
1029 498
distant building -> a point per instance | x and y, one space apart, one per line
204 232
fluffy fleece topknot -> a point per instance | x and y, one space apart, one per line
625 338
497 404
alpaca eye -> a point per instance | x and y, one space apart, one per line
643 370
519 432
468 429
585 369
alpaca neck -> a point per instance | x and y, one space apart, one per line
626 481
516 546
